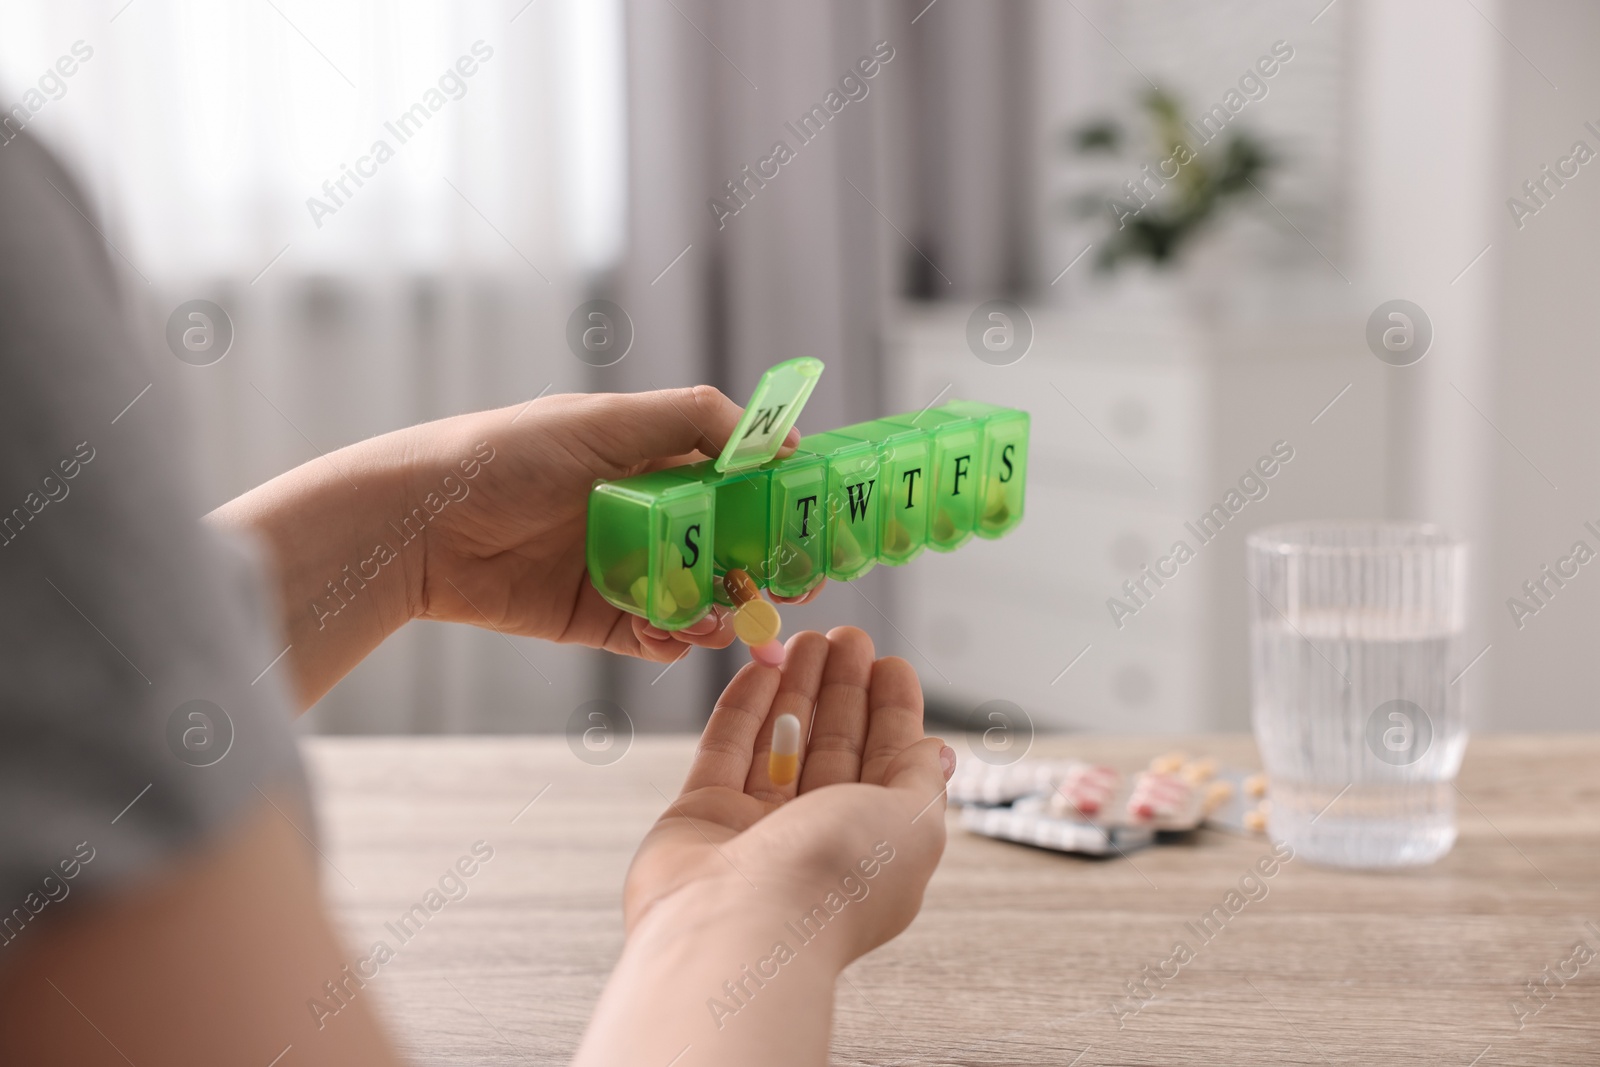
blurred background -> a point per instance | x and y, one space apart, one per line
1169 316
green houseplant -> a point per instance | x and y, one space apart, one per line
1158 213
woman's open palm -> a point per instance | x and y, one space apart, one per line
867 776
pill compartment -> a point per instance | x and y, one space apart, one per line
1005 464
853 503
650 545
797 530
905 456
618 544
957 474
743 518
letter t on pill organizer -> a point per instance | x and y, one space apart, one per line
783 764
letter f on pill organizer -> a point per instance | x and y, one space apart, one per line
661 544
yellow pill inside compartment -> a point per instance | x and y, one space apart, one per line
996 509
896 538
682 587
847 551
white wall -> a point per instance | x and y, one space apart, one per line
1547 379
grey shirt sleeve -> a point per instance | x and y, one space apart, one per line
138 719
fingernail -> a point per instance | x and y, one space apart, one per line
947 760
792 438
771 654
707 625
655 632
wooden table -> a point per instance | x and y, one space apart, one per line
1019 954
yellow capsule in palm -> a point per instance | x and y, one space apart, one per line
783 762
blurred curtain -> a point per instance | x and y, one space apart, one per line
213 139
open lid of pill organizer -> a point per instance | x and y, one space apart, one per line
775 405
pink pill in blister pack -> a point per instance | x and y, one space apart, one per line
1072 806
1164 800
1086 789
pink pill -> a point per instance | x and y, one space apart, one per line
769 654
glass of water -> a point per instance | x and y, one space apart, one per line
1354 630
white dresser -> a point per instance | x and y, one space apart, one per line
1139 426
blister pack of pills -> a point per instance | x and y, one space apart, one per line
1238 802
1073 806
1029 821
981 783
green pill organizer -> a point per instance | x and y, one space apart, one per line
846 500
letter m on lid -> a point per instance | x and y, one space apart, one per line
762 421
774 407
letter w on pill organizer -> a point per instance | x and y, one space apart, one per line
1140 590
737 992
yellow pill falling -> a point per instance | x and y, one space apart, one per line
783 763
1199 771
755 622
1256 785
